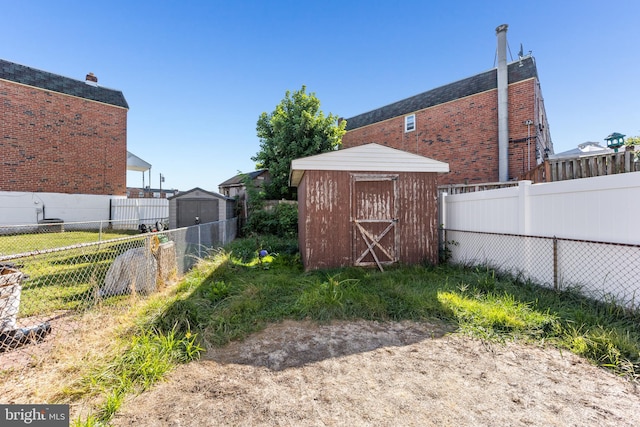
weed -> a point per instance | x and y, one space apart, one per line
151 354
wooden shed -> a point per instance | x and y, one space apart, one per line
368 205
198 206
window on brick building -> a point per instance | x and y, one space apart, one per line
410 123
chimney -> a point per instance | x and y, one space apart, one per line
503 105
91 80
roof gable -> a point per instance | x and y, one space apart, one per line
198 192
369 157
462 88
45 80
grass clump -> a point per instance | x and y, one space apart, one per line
150 356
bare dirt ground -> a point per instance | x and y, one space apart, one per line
384 374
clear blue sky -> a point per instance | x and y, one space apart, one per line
197 74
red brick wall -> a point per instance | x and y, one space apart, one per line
463 133
50 142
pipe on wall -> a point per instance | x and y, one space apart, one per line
503 105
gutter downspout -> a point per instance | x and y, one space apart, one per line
503 105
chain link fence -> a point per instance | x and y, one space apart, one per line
55 282
608 272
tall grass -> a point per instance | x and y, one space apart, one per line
236 292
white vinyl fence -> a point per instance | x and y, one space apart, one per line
580 233
139 211
603 208
25 208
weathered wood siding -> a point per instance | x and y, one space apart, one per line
323 203
418 198
328 204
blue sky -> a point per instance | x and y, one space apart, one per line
197 74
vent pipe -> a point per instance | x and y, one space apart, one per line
503 105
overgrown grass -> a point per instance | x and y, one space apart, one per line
235 292
150 355
142 354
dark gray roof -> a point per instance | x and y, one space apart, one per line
465 87
239 179
56 83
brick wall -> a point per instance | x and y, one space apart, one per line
50 142
463 133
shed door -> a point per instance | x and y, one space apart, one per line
188 209
374 216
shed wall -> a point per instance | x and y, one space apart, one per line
325 228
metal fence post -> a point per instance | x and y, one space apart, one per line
555 263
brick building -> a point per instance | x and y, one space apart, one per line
460 124
61 135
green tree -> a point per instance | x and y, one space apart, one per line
633 143
296 128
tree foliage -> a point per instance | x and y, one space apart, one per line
296 128
633 142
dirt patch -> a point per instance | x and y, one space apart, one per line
383 374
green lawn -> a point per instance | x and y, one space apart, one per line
68 279
22 243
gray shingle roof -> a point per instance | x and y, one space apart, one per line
239 179
56 83
452 91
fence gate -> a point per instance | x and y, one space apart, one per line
374 217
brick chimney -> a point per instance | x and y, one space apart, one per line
91 79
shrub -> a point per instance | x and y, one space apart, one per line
282 221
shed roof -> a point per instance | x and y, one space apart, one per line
517 71
369 157
56 83
199 191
